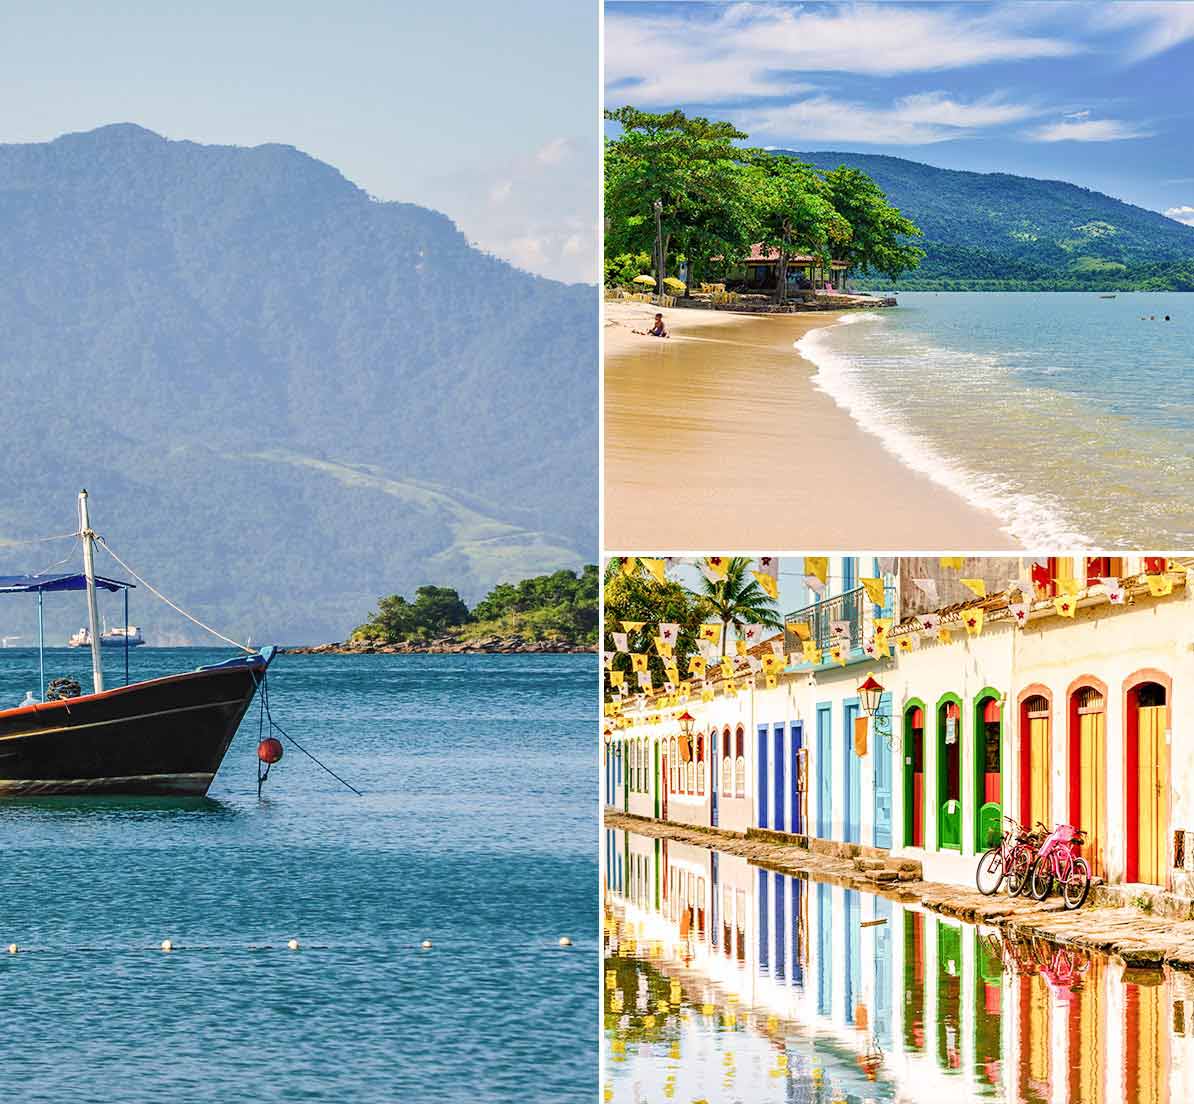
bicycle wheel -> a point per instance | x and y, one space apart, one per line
1041 878
1075 888
989 876
1018 867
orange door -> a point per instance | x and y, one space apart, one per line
1152 793
1038 780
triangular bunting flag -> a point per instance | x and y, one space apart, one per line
621 642
972 620
1159 585
799 629
928 587
656 567
954 562
669 631
944 636
874 590
978 586
1065 605
711 632
638 661
1114 589
696 666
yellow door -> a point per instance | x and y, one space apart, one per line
1092 747
1038 765
1146 1072
1087 1042
1153 783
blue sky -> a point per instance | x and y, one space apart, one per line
485 111
1100 94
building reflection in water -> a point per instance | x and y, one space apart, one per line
725 981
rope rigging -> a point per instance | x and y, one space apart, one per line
263 694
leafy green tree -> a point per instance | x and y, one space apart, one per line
641 597
621 270
795 213
879 232
433 610
735 600
675 182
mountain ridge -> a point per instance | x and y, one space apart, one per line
187 320
998 228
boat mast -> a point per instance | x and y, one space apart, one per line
88 537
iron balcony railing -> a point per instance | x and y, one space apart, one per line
849 611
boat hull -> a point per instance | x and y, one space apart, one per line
167 736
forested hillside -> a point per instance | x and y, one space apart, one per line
283 395
999 230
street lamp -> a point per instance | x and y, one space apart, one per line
870 696
687 720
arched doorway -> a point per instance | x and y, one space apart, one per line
914 774
1035 756
988 769
1088 768
1146 778
949 772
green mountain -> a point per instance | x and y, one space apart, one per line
285 397
995 230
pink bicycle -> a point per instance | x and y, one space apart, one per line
1056 861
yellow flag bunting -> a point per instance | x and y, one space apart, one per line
977 585
874 590
710 632
656 567
768 583
972 619
818 567
1065 605
954 562
696 665
638 661
799 629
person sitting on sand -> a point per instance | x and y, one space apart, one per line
658 330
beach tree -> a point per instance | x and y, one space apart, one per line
735 599
795 213
674 182
879 239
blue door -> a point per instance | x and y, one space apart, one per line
714 898
824 767
825 929
853 940
795 820
714 770
778 889
777 778
883 995
882 760
762 787
764 918
853 767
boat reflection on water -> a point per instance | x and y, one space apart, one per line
724 981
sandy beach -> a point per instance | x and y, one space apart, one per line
717 439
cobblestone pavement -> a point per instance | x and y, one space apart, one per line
1140 939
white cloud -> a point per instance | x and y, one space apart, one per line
1077 115
1088 130
747 51
1157 27
1184 214
921 119
500 192
553 152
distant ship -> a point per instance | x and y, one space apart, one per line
109 638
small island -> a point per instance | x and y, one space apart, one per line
554 613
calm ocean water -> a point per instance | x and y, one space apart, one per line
1069 415
477 830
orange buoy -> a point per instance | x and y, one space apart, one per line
269 751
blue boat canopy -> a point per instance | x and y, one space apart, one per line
34 584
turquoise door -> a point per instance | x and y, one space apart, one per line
853 768
882 761
824 768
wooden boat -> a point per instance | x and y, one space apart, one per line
162 736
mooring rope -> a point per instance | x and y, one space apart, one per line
264 692
6 543
153 590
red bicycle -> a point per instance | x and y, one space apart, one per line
1010 858
1056 862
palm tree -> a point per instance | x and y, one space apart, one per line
737 599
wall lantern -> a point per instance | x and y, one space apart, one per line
869 694
687 720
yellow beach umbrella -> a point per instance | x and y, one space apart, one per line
676 285
648 281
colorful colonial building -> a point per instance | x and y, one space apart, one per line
1060 708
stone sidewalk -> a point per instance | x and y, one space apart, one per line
1140 939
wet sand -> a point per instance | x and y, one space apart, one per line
717 438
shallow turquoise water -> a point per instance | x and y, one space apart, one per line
1068 415
476 830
